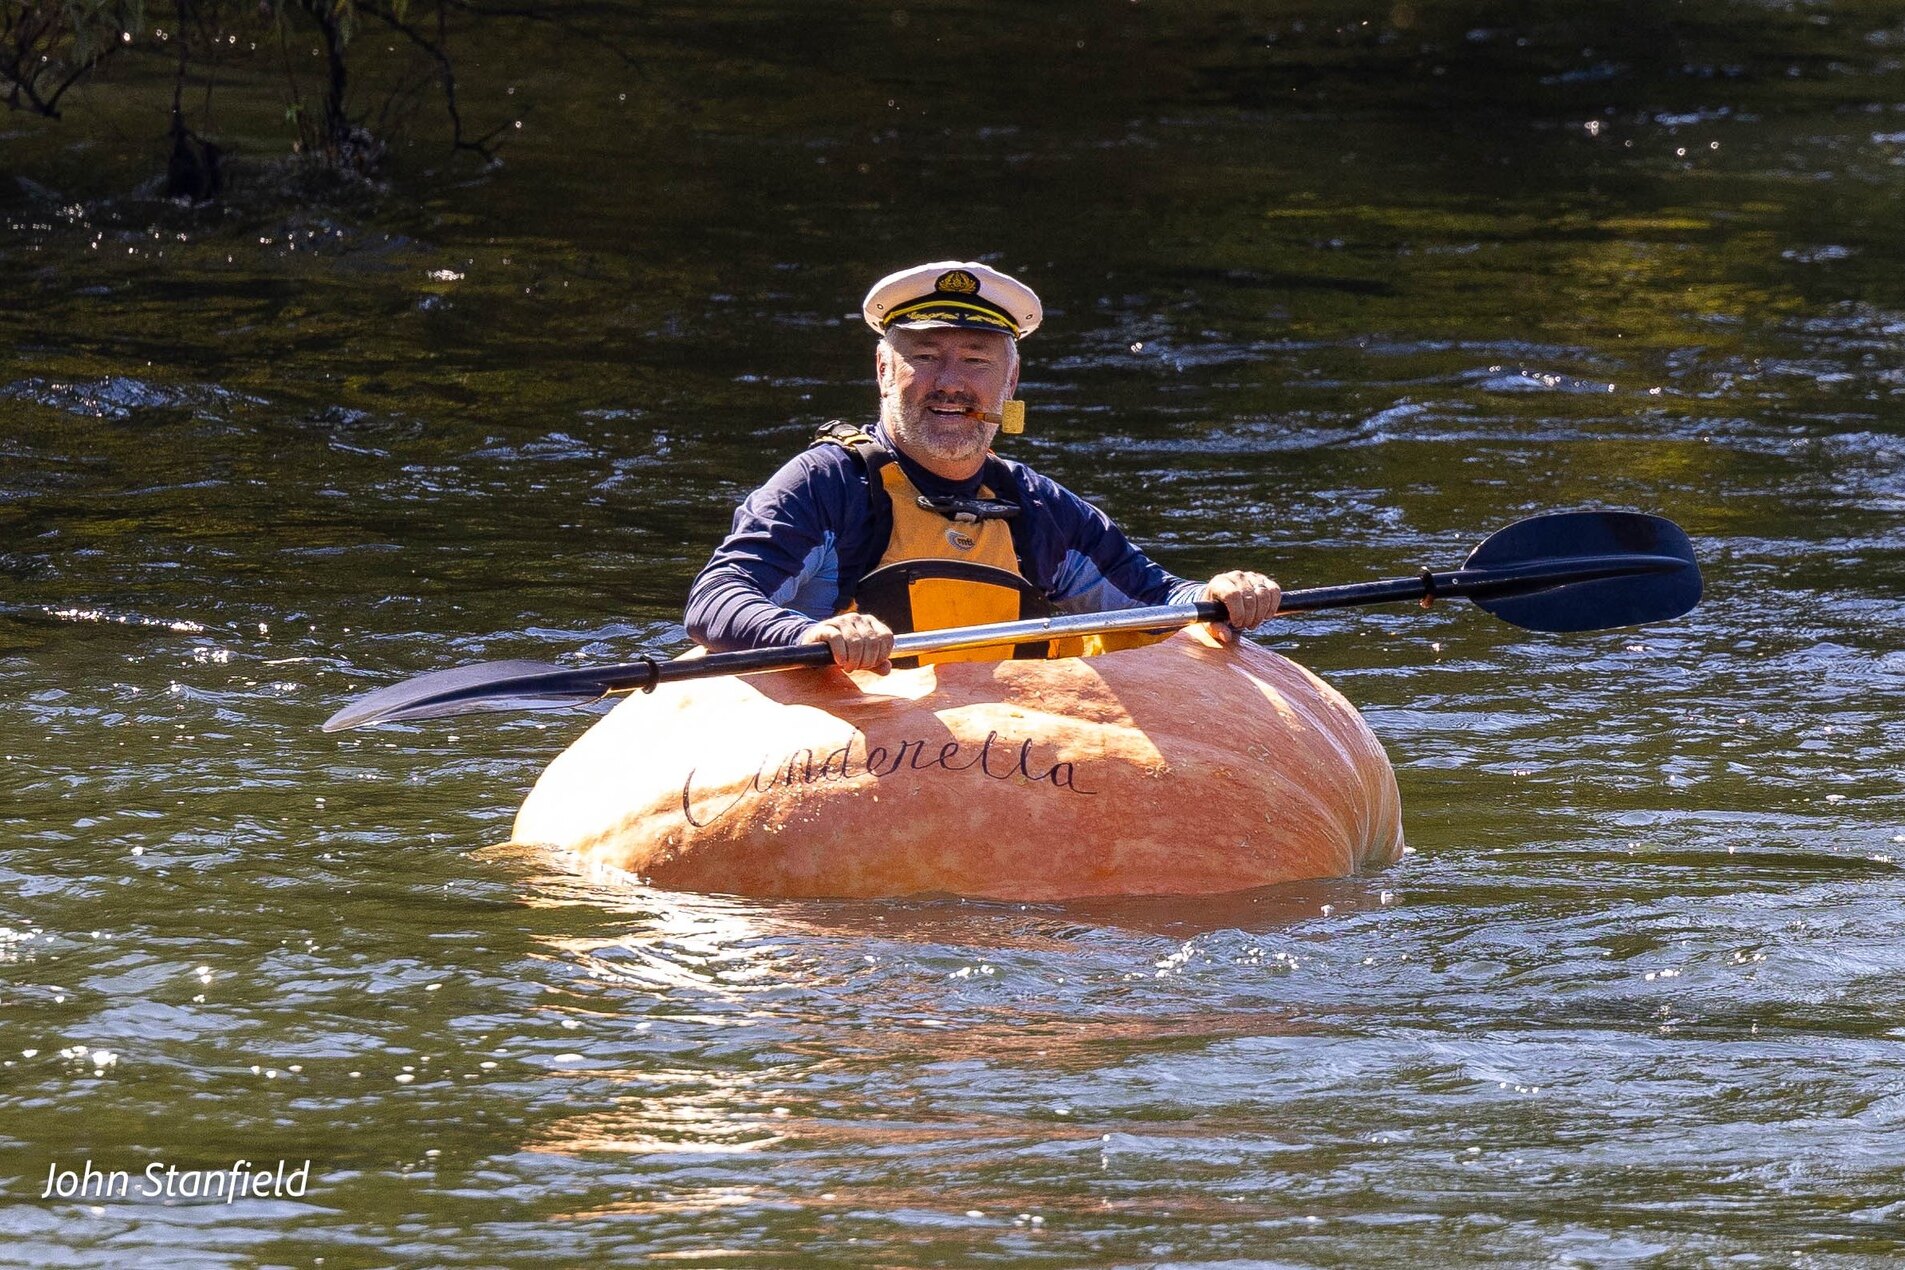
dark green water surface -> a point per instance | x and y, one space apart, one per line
1332 291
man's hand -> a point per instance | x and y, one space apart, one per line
1251 598
859 641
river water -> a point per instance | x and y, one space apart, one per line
1332 293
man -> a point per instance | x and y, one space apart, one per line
917 523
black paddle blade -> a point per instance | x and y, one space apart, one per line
466 689
1666 589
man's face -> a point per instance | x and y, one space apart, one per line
929 378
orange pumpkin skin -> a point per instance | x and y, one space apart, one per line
1184 768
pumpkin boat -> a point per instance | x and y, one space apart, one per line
1184 767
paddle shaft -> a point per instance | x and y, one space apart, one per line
1562 571
1462 583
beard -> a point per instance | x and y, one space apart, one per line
953 439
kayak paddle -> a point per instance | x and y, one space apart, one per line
1566 571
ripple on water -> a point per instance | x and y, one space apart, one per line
121 396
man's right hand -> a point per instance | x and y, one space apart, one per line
859 641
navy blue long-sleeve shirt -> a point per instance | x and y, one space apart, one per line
802 542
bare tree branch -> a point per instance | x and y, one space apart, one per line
446 73
46 47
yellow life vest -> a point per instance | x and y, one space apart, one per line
940 571
951 562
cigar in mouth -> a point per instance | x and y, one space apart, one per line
1009 420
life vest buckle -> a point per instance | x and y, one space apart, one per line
959 509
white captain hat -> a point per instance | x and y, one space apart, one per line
953 293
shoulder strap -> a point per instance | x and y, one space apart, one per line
848 436
862 445
872 457
865 447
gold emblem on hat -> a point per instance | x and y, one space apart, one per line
956 282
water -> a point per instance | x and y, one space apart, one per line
1632 999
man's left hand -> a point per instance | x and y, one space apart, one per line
1251 599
